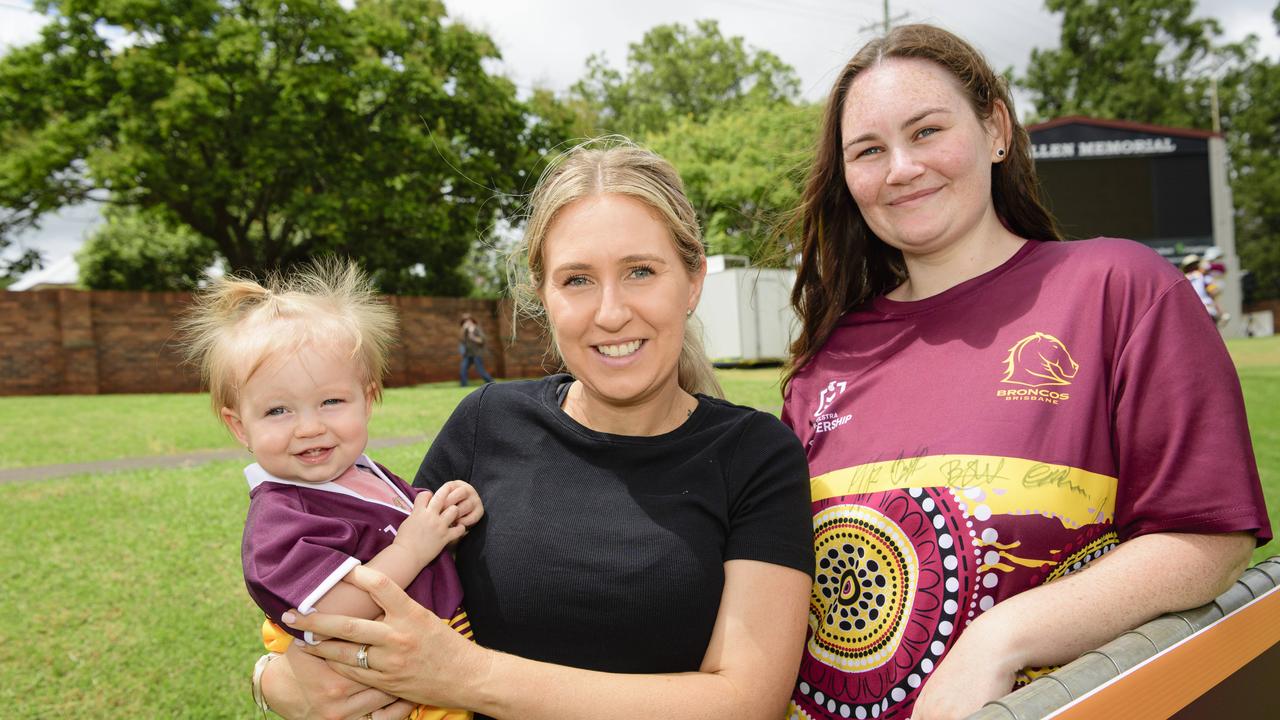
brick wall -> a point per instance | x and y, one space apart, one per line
87 342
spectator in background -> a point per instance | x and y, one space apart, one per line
1215 272
1193 268
471 345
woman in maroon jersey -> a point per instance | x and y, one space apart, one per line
1015 444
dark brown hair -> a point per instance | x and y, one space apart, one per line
842 262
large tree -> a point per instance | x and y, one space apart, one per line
675 73
1153 61
276 130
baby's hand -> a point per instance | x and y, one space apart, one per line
463 496
431 526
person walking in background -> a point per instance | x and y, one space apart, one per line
471 345
1193 267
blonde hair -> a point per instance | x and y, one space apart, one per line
614 166
237 324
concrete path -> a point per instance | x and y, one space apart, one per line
46 472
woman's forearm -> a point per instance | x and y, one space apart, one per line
1139 580
1057 622
748 671
515 687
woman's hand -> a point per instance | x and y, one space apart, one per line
977 669
411 653
300 687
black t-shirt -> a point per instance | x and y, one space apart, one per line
606 551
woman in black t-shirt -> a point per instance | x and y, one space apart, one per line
647 549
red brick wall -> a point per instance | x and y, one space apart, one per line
30 343
80 342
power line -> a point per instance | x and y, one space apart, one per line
786 9
888 21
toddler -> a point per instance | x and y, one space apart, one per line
293 369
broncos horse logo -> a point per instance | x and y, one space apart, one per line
1038 360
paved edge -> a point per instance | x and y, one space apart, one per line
49 472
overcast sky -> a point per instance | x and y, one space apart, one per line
546 42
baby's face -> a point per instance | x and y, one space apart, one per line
304 416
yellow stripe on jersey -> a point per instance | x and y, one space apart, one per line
987 483
461 624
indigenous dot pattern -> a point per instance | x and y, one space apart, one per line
892 572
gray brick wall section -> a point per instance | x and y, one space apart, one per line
1049 693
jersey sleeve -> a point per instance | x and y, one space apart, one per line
1184 456
452 451
769 514
291 557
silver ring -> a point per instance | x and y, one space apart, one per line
362 657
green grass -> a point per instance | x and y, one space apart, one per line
121 596
757 387
82 428
1258 362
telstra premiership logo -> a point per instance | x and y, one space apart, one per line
823 419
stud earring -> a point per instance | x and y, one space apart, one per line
688 313
999 152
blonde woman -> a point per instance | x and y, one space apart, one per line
646 548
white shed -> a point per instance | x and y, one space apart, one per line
746 312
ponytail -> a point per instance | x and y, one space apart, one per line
695 373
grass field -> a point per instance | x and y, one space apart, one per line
120 594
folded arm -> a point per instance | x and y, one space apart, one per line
1057 622
748 670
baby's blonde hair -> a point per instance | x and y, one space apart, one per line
237 324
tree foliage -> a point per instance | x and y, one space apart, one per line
676 73
743 172
1252 124
144 250
1142 60
277 131
1151 61
19 260
723 113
